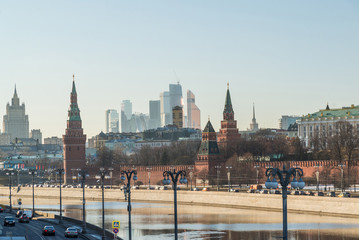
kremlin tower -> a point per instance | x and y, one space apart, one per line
228 135
74 140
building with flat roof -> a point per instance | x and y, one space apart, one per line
193 112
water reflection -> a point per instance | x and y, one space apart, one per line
155 221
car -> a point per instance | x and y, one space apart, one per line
310 193
195 189
28 213
9 221
344 194
71 232
234 190
319 194
205 189
1 209
135 187
251 191
24 219
48 230
163 188
79 229
264 191
295 192
331 194
303 193
274 191
19 213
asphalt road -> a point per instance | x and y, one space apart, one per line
32 230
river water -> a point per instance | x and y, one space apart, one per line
153 221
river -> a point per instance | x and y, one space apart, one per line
155 221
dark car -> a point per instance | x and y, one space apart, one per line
48 230
24 219
1 209
71 232
331 194
319 194
19 213
9 221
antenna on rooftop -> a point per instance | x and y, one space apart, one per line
176 76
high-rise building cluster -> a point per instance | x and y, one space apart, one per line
169 109
16 125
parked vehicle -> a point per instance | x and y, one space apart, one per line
264 191
1 209
9 221
310 193
24 219
251 191
319 194
344 194
331 194
71 232
48 230
302 193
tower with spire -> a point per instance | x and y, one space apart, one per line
16 122
74 140
208 154
254 125
228 134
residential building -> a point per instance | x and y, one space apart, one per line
286 121
37 135
112 121
53 141
16 122
193 112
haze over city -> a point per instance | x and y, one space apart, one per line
288 58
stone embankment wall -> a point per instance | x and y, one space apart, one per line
344 207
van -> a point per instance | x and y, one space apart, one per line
28 214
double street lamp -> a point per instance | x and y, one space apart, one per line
191 175
128 191
317 176
284 179
257 170
10 174
83 174
174 177
102 174
341 165
33 173
60 171
149 177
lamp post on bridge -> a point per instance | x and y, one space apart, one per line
128 191
10 174
341 165
174 177
83 174
257 171
33 173
102 174
149 177
191 175
284 179
60 171
317 176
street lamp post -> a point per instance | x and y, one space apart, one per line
317 176
110 169
284 178
128 191
149 177
10 174
257 170
101 175
341 165
191 175
83 174
174 177
33 173
229 177
60 172
218 167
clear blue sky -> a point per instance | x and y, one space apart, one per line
289 57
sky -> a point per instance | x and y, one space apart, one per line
286 57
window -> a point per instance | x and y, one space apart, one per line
69 148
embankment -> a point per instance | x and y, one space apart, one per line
328 206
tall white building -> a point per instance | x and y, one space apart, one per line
166 111
193 112
112 121
155 114
16 122
126 115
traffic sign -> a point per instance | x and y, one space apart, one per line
115 230
19 203
115 224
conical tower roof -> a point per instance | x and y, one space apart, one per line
228 104
209 127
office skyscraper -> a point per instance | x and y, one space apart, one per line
15 122
126 115
112 121
166 111
155 114
193 112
